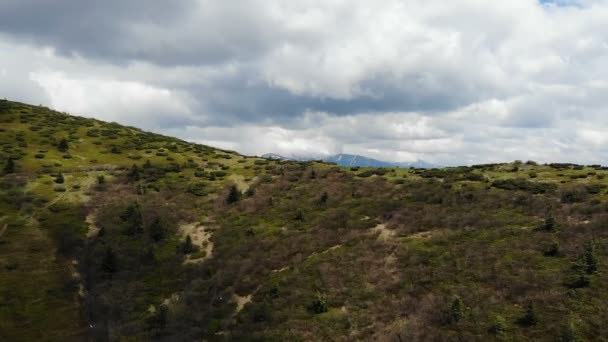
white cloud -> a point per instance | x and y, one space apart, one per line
461 81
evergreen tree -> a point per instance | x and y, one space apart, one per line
234 195
59 179
134 219
9 166
456 310
134 173
324 197
529 318
148 164
157 230
63 145
299 216
590 259
187 246
101 179
569 333
109 263
549 224
499 326
319 304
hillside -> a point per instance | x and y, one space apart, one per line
112 233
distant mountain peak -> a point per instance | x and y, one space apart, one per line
353 160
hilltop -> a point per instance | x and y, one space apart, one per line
112 233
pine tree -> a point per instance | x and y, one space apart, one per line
109 263
134 219
324 197
156 230
63 145
187 246
590 259
319 304
456 310
9 167
529 318
134 173
549 224
234 195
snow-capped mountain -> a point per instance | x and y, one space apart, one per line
353 160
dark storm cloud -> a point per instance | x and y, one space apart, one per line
118 31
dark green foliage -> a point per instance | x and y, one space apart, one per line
549 224
369 173
529 317
5 106
456 311
63 145
158 320
551 249
569 333
589 260
59 179
319 304
299 215
134 174
133 218
324 197
524 185
234 195
157 231
198 189
109 264
101 179
9 166
499 326
187 247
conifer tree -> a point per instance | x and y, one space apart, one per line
9 166
63 145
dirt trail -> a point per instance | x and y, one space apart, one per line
384 234
93 229
240 182
201 237
241 301
4 227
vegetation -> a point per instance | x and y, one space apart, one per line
154 238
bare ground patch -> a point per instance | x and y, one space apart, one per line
201 237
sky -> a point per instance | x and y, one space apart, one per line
449 82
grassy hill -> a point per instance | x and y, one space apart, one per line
112 233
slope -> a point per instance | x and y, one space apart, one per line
132 235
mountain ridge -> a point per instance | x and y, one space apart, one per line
354 160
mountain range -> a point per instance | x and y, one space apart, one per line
353 160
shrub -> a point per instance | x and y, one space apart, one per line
529 318
499 326
319 304
524 185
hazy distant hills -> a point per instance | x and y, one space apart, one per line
354 160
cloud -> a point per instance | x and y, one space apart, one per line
451 82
